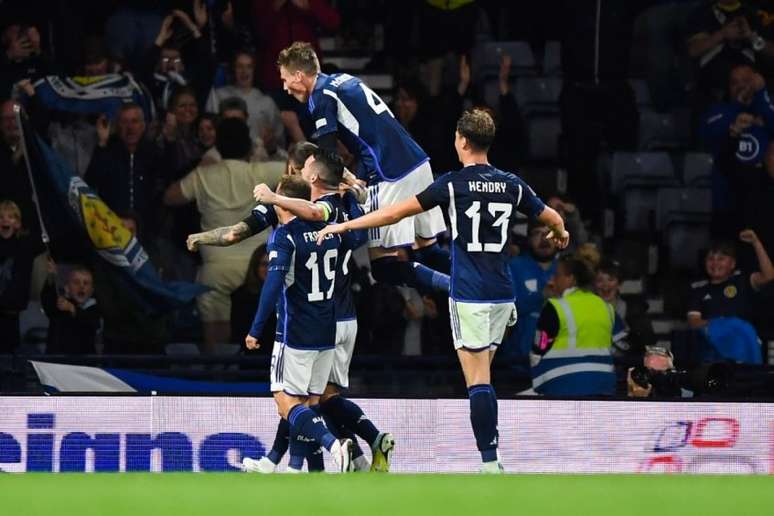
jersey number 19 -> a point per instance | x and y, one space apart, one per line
328 266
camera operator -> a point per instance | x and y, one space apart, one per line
652 377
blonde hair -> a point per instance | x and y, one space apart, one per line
13 208
299 57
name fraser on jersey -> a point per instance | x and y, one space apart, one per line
311 236
486 186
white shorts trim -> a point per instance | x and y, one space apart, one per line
299 372
476 326
403 233
346 335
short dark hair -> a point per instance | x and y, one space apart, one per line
128 106
580 268
722 246
611 268
478 127
295 187
179 92
301 153
232 139
329 167
233 103
299 57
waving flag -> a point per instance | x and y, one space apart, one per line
91 95
69 209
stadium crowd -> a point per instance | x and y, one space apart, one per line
588 87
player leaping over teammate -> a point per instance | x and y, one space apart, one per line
391 162
481 202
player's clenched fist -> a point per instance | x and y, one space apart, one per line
251 342
262 193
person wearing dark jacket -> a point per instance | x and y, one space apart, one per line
125 171
244 300
17 252
73 314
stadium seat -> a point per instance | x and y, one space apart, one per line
684 242
697 169
543 137
538 94
486 58
181 348
641 92
643 169
663 130
552 59
683 206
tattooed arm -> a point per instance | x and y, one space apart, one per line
220 237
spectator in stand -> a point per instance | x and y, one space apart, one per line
531 272
223 193
131 29
572 221
18 249
414 112
206 134
758 207
738 133
180 40
278 23
263 118
178 135
264 148
125 169
74 136
723 34
597 104
22 57
633 328
14 179
244 300
73 313
722 305
509 147
571 352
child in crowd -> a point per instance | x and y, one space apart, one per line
74 316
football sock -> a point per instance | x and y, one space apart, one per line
305 422
496 415
484 420
338 428
435 257
351 417
280 445
389 269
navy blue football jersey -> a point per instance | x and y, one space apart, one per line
481 202
306 316
341 209
343 104
265 217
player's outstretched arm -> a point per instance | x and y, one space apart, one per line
381 217
301 208
557 234
220 237
269 295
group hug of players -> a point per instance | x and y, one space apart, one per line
322 215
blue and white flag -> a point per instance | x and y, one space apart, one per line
71 210
93 95
74 378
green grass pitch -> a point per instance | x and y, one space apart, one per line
190 494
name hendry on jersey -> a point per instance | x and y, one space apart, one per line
486 186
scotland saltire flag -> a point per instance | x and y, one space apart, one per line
93 95
72 211
74 378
